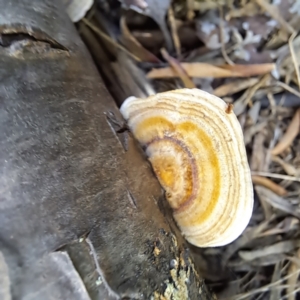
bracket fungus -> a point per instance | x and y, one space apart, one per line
196 148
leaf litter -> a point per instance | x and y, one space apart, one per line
248 53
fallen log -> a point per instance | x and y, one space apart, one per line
81 213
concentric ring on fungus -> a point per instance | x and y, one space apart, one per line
197 152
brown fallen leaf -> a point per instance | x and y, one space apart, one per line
234 87
203 70
263 181
249 70
134 46
177 68
290 134
276 201
288 168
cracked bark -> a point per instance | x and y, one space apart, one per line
81 214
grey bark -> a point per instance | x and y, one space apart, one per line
81 214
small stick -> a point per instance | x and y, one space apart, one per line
274 175
174 32
223 49
107 38
294 58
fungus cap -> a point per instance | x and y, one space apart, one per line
196 147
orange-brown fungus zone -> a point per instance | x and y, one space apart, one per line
176 170
151 128
186 163
208 166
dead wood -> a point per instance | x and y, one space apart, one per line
81 214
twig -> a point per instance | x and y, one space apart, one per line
288 88
188 83
272 102
275 175
173 26
263 181
107 38
290 134
223 49
263 289
294 58
252 90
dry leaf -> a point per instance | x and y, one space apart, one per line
263 181
240 265
253 112
259 150
249 235
234 87
207 70
289 136
275 293
288 168
250 132
276 201
246 70
267 260
287 225
177 68
246 98
294 271
278 248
